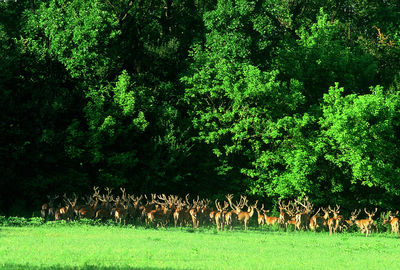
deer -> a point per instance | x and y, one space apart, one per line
204 213
105 209
260 216
89 211
232 216
192 210
366 225
286 215
66 212
393 221
177 213
353 217
303 217
219 214
246 215
334 222
314 224
134 210
48 209
160 215
121 207
270 220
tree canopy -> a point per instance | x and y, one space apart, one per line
275 99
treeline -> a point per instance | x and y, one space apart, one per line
274 99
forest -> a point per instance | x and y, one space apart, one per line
274 99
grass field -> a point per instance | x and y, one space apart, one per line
102 247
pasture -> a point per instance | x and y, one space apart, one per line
65 246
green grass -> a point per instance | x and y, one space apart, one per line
102 247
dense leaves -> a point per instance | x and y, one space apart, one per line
276 99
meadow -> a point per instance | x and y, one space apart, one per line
65 246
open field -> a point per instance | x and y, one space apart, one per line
102 247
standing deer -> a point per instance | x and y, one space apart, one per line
393 221
270 220
219 215
245 216
303 217
366 225
260 216
231 217
48 209
334 222
286 215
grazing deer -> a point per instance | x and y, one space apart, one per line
393 221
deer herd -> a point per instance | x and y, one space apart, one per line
161 210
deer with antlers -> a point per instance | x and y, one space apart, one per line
177 213
160 215
104 211
89 210
121 207
231 217
334 222
260 215
366 225
219 214
286 215
244 216
66 212
303 216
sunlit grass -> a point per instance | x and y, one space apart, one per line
101 247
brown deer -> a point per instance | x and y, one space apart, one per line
66 212
231 217
177 213
303 216
48 209
219 214
89 211
105 209
270 220
366 225
260 216
314 225
353 216
286 216
393 221
334 222
244 216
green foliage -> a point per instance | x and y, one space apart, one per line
205 97
363 133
